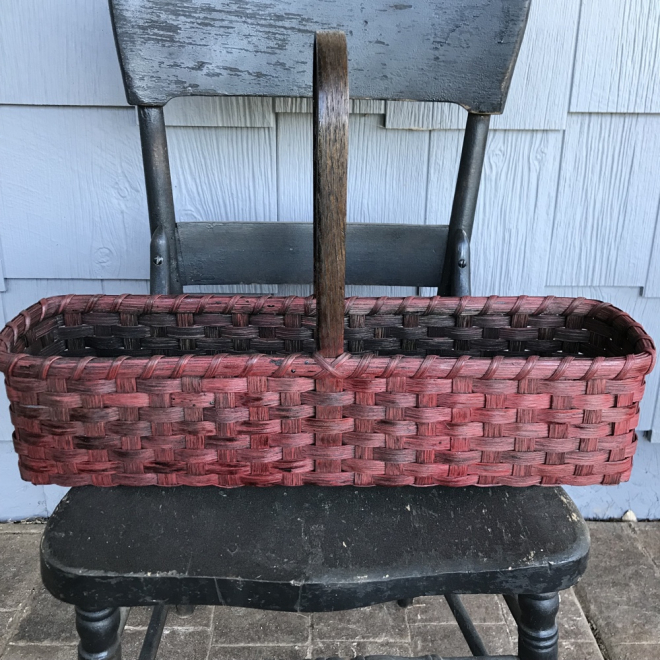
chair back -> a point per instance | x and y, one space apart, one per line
457 51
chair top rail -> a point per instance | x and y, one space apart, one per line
457 51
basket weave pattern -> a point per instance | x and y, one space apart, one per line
227 391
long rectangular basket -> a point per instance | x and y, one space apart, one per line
232 391
228 391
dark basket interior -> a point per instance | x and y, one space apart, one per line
111 334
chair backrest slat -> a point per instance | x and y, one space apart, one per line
282 253
458 51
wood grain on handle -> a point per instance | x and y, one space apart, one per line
330 175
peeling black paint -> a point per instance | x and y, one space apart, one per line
459 51
308 548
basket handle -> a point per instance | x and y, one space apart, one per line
330 175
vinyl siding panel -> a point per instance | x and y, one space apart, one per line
223 174
228 111
58 52
72 193
607 204
617 64
387 171
652 286
513 222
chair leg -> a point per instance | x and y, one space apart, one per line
185 611
99 634
538 637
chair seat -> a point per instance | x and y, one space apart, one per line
308 548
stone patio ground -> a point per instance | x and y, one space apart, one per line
612 614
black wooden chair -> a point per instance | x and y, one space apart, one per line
312 549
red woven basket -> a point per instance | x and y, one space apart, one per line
137 390
232 391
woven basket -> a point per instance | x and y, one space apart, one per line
137 390
232 391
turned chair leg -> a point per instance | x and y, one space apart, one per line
538 637
185 611
99 634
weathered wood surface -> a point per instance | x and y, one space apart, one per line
330 121
263 536
247 48
617 63
540 85
66 55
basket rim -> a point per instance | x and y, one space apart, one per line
347 365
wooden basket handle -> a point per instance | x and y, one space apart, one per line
330 175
